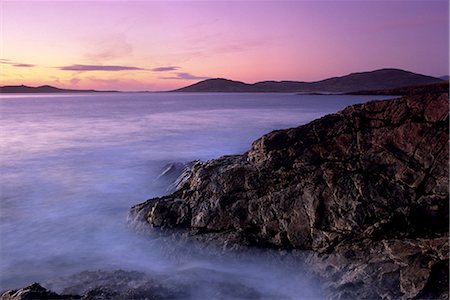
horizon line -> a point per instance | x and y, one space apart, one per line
216 78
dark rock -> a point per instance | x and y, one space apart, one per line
120 284
389 269
186 283
105 285
174 174
366 188
34 292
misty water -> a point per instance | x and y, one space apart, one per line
72 165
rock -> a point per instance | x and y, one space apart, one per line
105 285
388 269
34 292
174 174
186 283
365 188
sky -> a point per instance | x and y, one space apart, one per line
162 45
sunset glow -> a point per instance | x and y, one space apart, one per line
156 45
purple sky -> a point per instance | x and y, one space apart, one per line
156 45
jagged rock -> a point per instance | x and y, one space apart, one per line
388 269
366 188
173 175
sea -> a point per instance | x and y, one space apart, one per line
71 166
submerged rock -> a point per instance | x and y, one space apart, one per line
35 292
104 285
365 188
120 284
189 283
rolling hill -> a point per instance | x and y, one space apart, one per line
364 81
20 89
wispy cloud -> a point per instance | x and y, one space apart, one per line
15 64
83 68
165 69
109 47
185 76
23 65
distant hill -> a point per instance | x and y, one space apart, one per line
365 81
20 89
446 77
217 85
440 87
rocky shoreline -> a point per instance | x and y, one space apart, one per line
364 191
365 188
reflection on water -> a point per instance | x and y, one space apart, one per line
72 165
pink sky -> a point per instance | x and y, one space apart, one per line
156 45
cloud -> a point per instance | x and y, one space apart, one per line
23 65
110 47
82 68
15 64
165 69
185 76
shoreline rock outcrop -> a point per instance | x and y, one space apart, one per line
365 188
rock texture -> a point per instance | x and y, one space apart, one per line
385 269
365 188
34 292
190 283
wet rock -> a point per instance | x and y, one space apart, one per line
120 284
386 269
365 188
173 175
34 292
104 285
188 283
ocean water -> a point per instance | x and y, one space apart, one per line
71 166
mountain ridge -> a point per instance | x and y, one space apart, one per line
381 79
24 89
387 78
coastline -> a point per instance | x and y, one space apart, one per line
401 149
338 255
